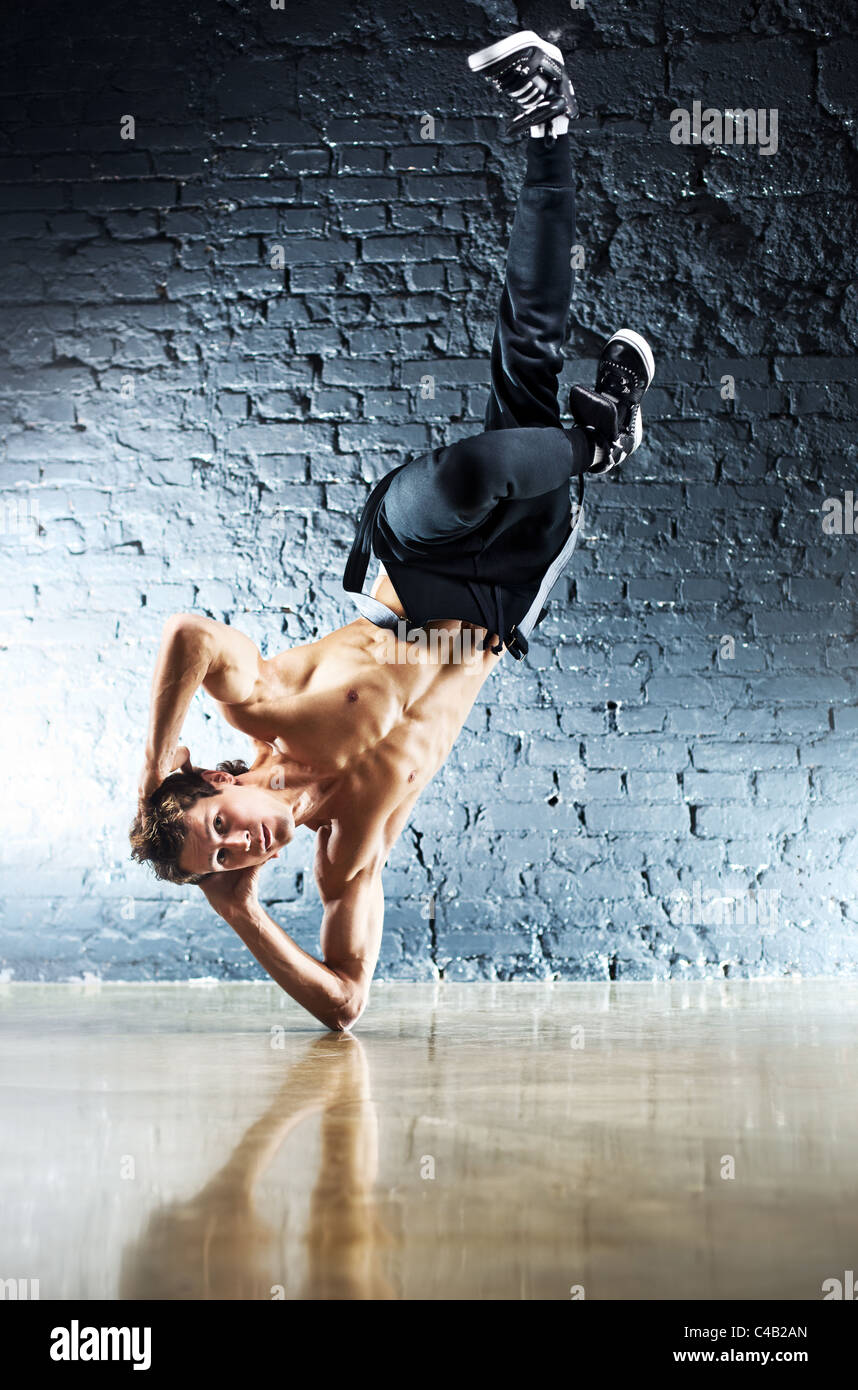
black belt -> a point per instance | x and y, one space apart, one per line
359 555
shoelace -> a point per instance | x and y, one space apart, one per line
619 375
529 93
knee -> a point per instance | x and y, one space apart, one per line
466 485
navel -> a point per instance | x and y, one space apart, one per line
411 776
352 696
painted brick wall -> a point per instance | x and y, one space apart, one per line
187 424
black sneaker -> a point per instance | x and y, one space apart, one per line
612 413
533 73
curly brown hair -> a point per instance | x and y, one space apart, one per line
157 832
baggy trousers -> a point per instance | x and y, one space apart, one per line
469 530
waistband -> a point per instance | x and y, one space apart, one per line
487 595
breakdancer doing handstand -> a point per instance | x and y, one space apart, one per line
471 538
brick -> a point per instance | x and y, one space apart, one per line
648 787
715 787
446 370
631 752
606 818
720 757
356 372
410 248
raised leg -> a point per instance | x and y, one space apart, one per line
534 307
474 494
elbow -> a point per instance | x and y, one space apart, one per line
179 622
189 633
186 625
348 1012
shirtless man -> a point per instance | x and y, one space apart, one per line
349 730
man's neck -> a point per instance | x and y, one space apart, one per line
298 786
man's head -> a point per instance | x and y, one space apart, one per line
201 822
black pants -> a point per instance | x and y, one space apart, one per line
497 506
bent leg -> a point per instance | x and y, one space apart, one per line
448 494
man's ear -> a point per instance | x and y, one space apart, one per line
182 760
217 778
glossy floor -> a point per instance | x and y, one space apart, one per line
468 1141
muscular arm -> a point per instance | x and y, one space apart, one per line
353 911
335 990
330 995
194 652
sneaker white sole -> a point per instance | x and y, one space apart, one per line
628 335
638 430
526 38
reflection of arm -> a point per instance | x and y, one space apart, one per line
347 1239
311 1085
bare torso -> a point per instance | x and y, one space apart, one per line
366 711
349 730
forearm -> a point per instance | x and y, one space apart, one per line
313 985
183 662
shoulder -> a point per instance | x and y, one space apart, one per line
357 842
346 852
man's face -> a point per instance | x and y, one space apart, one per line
239 827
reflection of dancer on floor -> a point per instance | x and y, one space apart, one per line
216 1246
472 538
